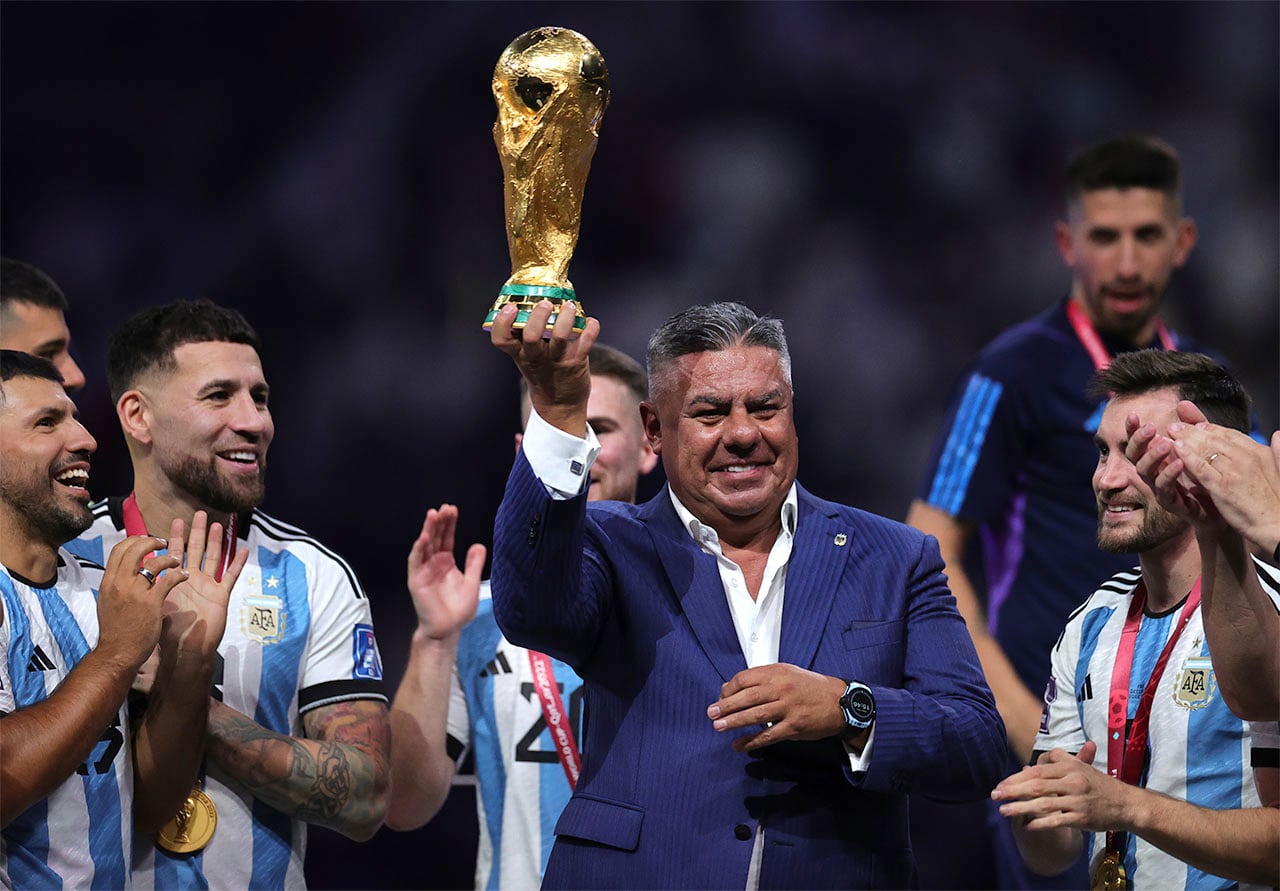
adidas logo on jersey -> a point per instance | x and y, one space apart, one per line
1086 689
40 661
497 665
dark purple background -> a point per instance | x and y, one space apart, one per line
884 177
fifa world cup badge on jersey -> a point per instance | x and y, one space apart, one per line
368 664
1195 685
263 618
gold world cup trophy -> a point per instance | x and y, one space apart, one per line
552 87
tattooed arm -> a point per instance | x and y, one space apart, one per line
337 777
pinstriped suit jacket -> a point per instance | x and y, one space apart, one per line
623 594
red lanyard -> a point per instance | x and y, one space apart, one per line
544 682
1126 754
1092 343
135 525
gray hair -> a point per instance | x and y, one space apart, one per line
712 327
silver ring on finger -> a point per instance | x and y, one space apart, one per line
147 574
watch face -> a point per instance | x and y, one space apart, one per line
859 707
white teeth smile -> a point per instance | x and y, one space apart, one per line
246 457
73 477
737 468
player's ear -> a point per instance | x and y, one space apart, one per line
1184 240
1066 244
134 411
652 428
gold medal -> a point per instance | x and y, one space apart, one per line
1108 875
193 825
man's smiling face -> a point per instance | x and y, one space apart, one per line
722 423
1130 520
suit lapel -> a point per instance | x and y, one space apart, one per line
695 579
818 557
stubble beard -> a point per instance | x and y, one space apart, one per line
201 480
47 521
1124 325
1158 526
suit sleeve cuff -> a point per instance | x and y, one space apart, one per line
560 461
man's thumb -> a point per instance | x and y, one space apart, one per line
1087 752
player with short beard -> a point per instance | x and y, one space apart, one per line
1158 525
298 728
1138 755
80 772
32 492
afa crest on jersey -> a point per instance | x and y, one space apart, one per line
262 618
1195 684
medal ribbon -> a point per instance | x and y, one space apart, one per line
135 525
1127 751
553 713
1092 343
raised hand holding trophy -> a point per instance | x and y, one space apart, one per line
552 88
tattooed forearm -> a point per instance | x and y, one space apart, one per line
331 787
338 780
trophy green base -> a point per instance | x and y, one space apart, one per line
526 297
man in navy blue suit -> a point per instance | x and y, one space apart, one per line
730 742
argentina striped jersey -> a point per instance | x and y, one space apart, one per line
299 636
80 835
521 786
1199 750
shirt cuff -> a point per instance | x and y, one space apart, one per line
561 461
860 763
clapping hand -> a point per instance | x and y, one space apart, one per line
444 596
1207 473
130 598
195 612
1065 790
